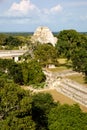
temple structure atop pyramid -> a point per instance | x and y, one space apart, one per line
43 35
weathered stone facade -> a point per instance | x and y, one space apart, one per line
66 86
44 35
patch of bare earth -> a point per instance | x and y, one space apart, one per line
63 99
57 97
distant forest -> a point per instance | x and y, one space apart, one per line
17 33
28 33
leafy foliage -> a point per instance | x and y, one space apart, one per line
73 46
13 41
46 54
2 38
22 73
19 110
68 40
65 117
12 69
22 111
32 73
79 61
41 105
15 107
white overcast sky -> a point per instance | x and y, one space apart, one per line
27 15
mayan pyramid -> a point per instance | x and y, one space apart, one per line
43 35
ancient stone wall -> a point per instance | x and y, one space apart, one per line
66 86
73 90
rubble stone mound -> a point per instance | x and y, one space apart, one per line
43 35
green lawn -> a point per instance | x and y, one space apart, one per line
62 60
63 65
66 65
78 78
58 69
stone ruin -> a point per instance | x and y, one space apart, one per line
66 86
43 35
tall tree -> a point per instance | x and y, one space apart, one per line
15 107
41 105
46 54
68 41
32 72
65 117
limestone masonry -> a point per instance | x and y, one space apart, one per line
44 35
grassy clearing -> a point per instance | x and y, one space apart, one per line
58 69
62 60
78 78
63 65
